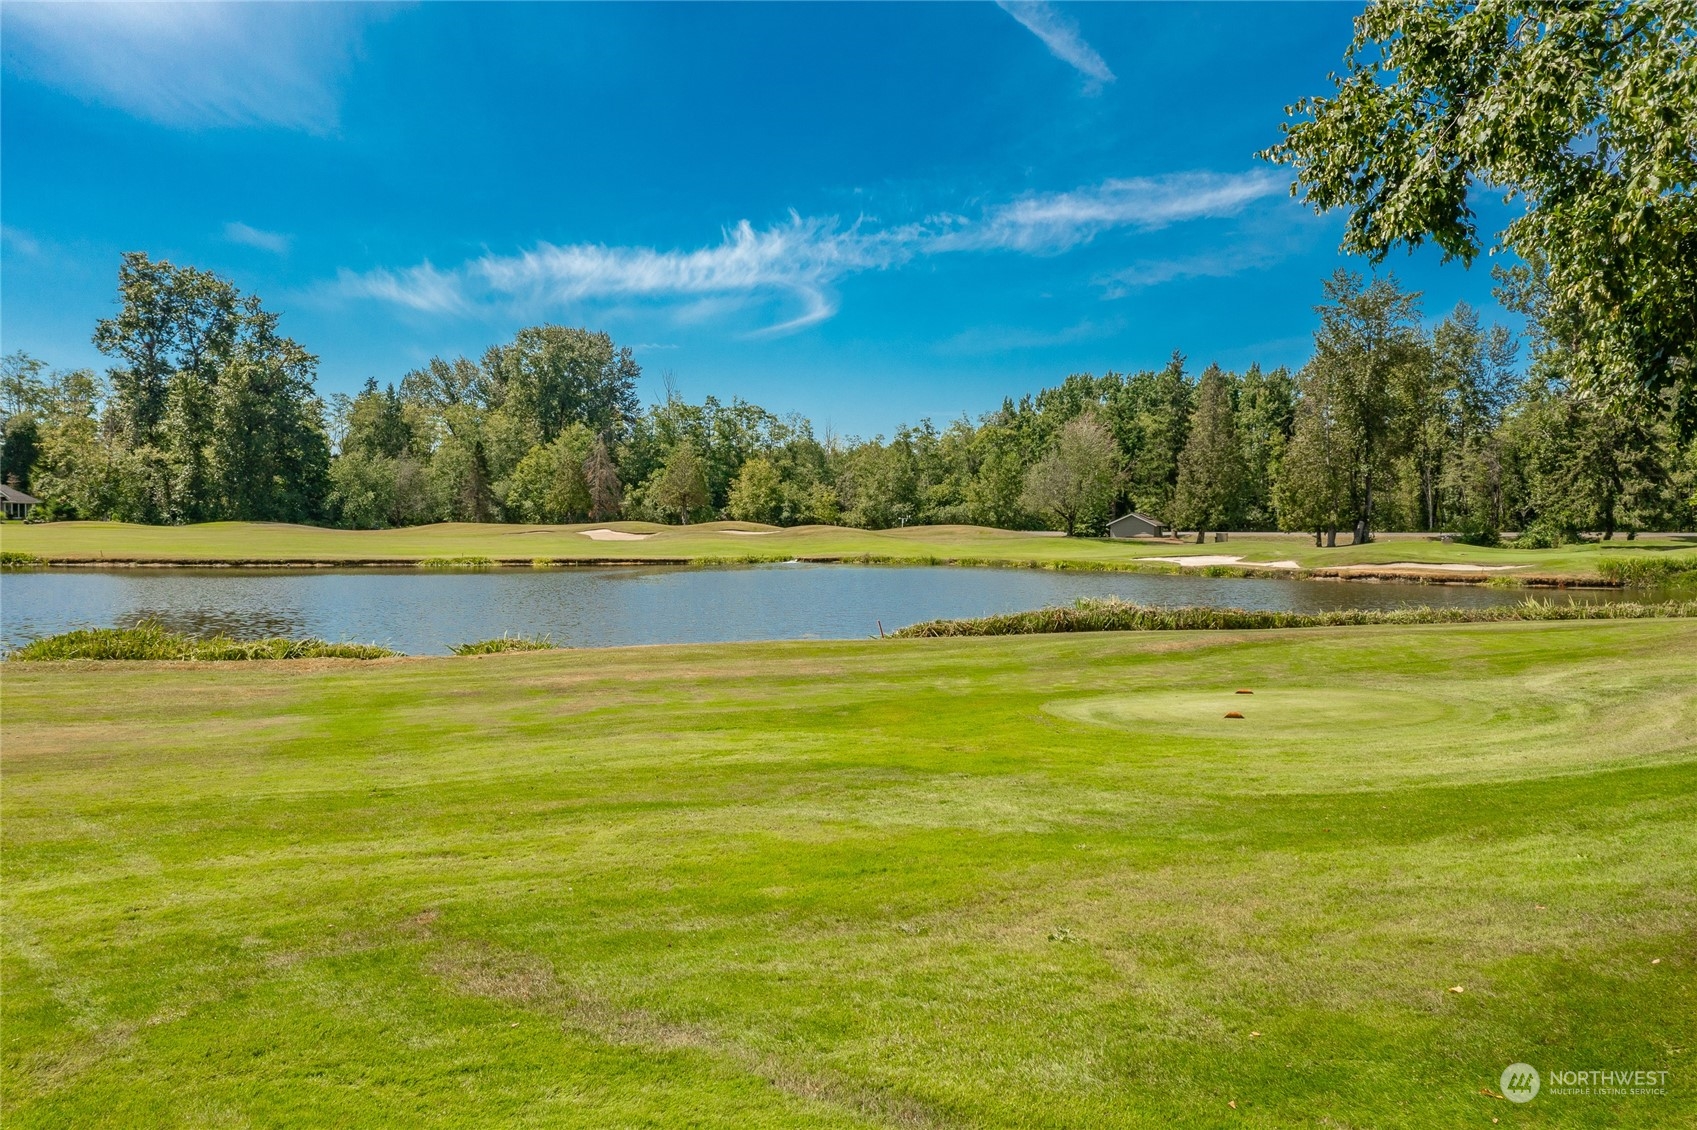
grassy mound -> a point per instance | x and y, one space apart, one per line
152 640
1114 615
505 643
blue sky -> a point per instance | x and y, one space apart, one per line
865 213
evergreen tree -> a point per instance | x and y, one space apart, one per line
1210 471
1312 489
1160 407
1266 413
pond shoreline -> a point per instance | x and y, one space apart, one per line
1358 573
427 609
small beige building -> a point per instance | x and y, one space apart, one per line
1135 526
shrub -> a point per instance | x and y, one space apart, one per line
52 510
1544 535
1113 615
17 559
505 643
456 563
151 640
1646 570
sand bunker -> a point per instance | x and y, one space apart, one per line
1201 559
613 535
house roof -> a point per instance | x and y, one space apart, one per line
1139 517
13 494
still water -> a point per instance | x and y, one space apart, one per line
423 612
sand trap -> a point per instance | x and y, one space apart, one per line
1202 559
749 533
1197 559
613 535
1450 568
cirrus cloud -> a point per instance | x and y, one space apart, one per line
191 65
797 264
1061 36
275 242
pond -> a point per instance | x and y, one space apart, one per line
423 612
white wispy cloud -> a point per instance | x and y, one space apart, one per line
980 340
19 241
797 264
1056 221
194 65
275 242
1256 244
1061 36
423 288
1154 272
801 259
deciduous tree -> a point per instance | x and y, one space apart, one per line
1076 480
1368 340
680 486
1581 115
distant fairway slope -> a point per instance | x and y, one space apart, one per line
1013 882
471 543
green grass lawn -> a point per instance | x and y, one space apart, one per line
1034 882
258 541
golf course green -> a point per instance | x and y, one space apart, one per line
1036 881
93 543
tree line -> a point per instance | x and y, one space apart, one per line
209 413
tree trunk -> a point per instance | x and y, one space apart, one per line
1332 538
1317 536
1362 533
1201 536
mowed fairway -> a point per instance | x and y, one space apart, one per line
1035 881
91 543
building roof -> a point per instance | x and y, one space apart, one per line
13 494
1139 517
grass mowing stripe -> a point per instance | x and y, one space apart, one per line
961 882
